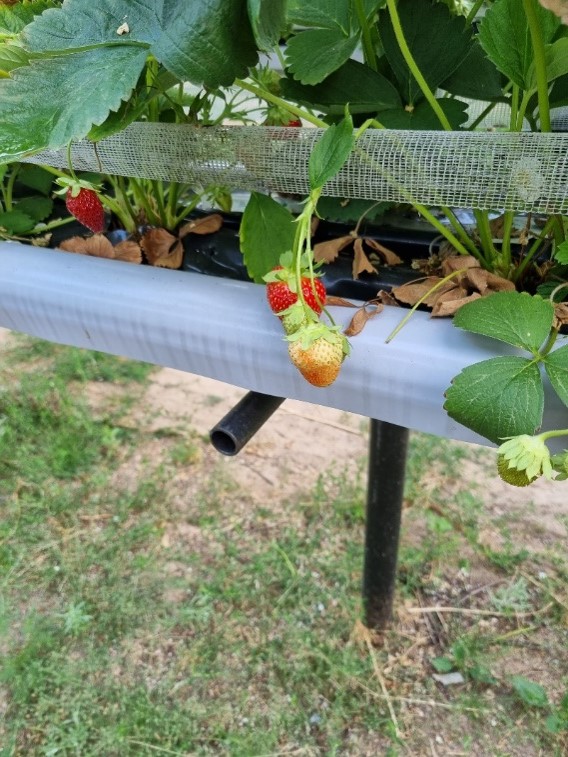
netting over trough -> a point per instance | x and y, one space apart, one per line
507 171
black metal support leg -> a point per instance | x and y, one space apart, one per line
385 489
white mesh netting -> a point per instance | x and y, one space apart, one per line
496 170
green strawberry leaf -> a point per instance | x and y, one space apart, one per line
38 208
561 253
16 222
331 152
556 366
79 44
11 57
50 105
365 90
529 692
35 177
512 317
499 397
437 40
422 117
476 77
505 37
326 14
268 21
13 19
313 55
267 231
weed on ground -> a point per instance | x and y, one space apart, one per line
152 605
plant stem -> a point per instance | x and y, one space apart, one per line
484 231
414 70
508 218
460 231
534 248
473 12
543 352
368 49
513 125
264 94
425 296
537 40
552 434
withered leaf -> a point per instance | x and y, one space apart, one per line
448 303
361 262
414 291
97 246
128 251
387 299
457 262
314 223
485 281
388 256
326 252
560 314
331 300
162 248
360 319
497 226
206 225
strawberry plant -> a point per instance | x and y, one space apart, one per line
347 66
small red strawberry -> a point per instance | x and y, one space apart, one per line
318 351
294 122
281 290
83 202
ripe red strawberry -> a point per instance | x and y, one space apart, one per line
281 295
294 122
87 208
318 352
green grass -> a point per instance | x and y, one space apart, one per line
133 625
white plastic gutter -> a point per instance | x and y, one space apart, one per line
223 329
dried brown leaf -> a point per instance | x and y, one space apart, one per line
412 292
206 225
560 314
457 262
128 251
450 302
388 256
486 282
326 252
360 319
314 223
162 248
387 299
361 263
97 246
339 302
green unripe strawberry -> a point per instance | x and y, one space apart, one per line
512 476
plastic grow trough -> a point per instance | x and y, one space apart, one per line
222 329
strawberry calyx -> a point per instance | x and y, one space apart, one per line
74 186
310 332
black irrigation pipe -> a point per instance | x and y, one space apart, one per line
385 489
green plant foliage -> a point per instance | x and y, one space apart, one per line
421 116
353 84
268 19
314 54
331 152
438 53
512 317
79 45
499 397
529 692
266 232
556 366
505 37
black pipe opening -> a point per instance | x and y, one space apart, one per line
241 423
